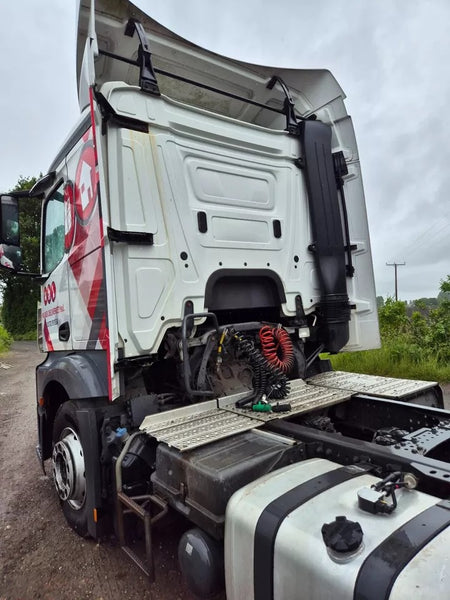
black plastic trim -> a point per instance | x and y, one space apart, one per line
328 242
147 78
289 105
81 375
276 228
381 568
141 238
273 516
111 116
229 289
202 222
41 186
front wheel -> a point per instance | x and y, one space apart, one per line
68 467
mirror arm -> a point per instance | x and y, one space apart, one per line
37 276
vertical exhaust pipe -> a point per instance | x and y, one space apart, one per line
328 241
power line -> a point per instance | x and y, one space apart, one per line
395 265
426 236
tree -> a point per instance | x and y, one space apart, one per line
445 288
20 294
393 318
439 335
380 301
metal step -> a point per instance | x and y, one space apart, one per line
383 387
193 426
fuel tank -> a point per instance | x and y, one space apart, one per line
300 533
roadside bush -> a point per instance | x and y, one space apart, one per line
415 346
30 336
5 340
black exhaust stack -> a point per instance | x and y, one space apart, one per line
328 241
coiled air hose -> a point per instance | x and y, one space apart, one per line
277 347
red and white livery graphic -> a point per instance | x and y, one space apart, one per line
84 242
86 179
69 215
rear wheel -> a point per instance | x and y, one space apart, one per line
68 467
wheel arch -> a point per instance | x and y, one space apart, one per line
83 417
59 378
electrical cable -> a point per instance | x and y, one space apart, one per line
268 380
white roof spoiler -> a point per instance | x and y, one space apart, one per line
119 41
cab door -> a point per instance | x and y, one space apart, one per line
55 301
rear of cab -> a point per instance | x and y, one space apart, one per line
201 196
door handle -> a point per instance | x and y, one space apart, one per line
64 331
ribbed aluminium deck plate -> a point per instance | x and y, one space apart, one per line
385 387
302 398
193 426
189 427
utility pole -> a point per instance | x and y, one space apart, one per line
395 265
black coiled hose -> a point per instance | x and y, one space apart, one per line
267 379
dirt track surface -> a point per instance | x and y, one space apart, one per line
40 556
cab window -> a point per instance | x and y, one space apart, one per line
54 230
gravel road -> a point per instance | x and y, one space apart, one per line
40 556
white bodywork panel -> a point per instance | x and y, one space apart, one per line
243 177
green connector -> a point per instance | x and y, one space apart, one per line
262 407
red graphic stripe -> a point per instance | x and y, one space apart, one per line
96 285
48 340
104 331
103 336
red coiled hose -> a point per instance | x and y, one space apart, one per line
277 347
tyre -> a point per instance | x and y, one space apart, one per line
68 468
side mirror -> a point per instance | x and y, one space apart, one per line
10 251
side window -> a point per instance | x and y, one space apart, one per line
54 230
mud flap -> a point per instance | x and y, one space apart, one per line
87 421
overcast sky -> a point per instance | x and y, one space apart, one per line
391 58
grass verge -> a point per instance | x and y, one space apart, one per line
5 340
393 361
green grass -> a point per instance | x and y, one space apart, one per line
396 360
5 340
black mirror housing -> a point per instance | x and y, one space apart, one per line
10 251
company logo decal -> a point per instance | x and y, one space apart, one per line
49 293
